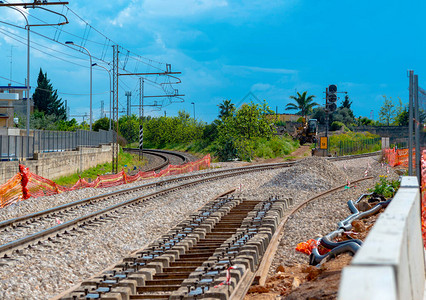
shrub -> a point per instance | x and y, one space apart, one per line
336 125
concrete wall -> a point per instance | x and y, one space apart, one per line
56 164
389 131
390 264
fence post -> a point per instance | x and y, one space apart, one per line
16 146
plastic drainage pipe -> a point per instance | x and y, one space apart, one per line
315 258
352 207
344 246
329 244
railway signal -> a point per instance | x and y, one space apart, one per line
331 98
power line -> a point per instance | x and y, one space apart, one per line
52 55
23 84
154 83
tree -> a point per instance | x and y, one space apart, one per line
387 112
318 113
129 128
237 133
70 125
304 104
364 121
401 118
226 109
344 115
102 123
347 104
46 98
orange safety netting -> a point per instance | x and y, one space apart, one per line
400 157
26 184
397 157
309 245
423 192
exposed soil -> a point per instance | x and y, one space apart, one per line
302 281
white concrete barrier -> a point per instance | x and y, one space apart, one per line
391 263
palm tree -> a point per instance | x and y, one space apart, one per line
303 104
226 109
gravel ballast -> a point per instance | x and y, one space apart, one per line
51 268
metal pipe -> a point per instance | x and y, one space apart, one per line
417 125
110 91
90 58
410 124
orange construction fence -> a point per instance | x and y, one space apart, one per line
26 184
397 157
400 157
423 190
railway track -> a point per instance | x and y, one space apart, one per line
192 258
28 230
161 158
215 254
25 230
88 220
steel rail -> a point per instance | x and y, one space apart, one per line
55 209
160 153
96 216
218 174
49 211
46 212
263 268
165 162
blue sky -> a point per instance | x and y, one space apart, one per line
226 49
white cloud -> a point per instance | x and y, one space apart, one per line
261 87
140 10
181 8
12 16
252 69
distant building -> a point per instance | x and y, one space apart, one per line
284 117
7 108
12 102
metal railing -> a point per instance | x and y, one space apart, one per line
358 147
16 147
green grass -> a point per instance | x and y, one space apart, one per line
277 146
289 157
354 138
125 160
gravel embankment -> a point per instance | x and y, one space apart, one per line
47 270
321 216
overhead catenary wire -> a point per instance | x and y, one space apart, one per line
164 85
153 83
137 57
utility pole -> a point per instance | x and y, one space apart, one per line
142 96
11 64
129 102
35 4
102 109
141 91
410 123
115 147
417 126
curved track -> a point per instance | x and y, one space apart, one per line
93 211
41 225
202 262
159 159
21 231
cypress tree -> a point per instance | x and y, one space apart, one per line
46 98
